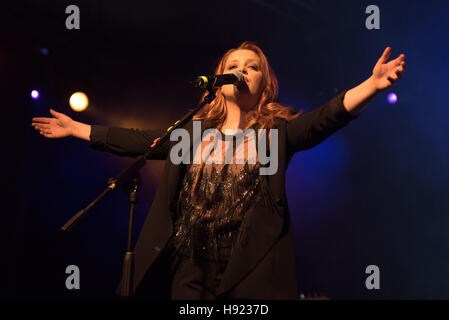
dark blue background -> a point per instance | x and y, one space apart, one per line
376 192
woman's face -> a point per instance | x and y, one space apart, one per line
246 95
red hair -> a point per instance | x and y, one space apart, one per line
266 109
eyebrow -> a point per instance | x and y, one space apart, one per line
235 60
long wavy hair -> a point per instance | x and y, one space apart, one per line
267 107
264 112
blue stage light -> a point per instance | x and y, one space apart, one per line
392 98
35 94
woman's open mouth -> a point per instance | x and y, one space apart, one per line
243 87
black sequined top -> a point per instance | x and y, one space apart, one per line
211 206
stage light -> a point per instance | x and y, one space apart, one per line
392 98
78 101
44 51
35 94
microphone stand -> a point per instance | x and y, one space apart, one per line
129 181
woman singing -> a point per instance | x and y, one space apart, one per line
223 230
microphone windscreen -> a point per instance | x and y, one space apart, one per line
239 77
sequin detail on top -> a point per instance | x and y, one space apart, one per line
211 216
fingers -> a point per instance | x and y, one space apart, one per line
385 56
43 124
45 131
402 66
395 76
45 119
391 79
41 120
401 57
47 134
40 126
399 60
399 69
56 114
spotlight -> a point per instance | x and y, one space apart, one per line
392 98
35 94
44 51
78 101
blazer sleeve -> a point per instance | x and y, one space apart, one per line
126 142
313 127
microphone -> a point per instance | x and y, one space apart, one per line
214 82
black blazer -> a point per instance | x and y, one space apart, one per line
265 267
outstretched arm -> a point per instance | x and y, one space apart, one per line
313 127
385 74
126 142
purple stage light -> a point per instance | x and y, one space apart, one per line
34 94
392 98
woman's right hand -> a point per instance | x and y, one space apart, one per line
58 127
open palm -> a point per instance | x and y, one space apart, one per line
385 74
58 127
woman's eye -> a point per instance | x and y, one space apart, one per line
253 67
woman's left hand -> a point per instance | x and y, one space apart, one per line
385 74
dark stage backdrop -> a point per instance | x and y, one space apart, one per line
375 193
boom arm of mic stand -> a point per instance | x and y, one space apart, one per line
128 180
123 178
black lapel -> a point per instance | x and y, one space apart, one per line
264 225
